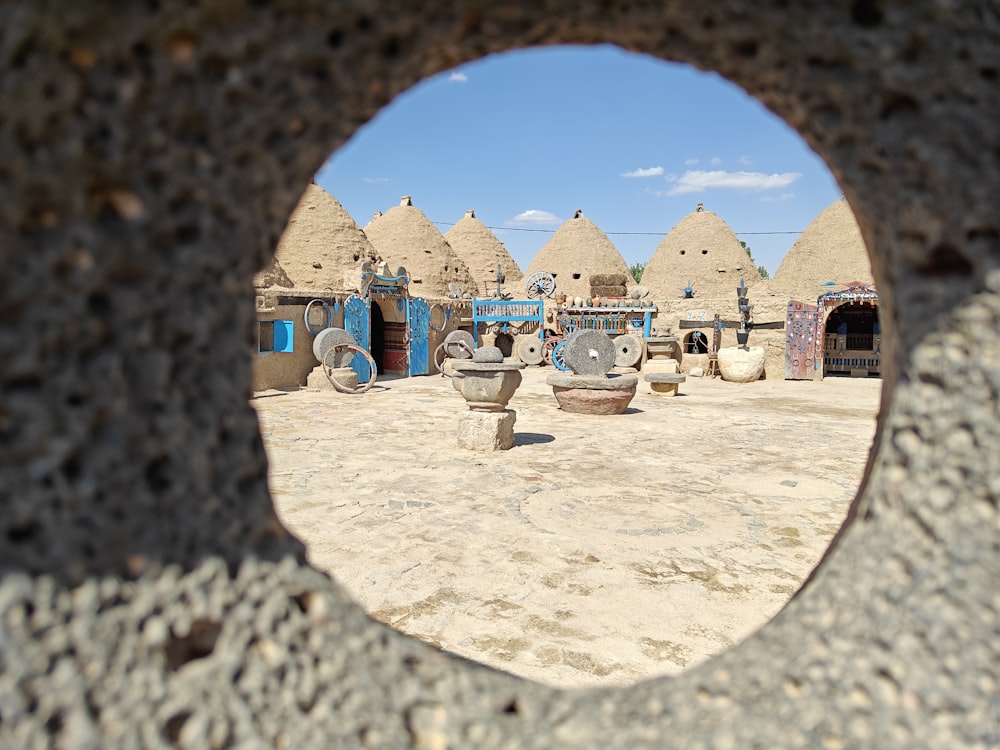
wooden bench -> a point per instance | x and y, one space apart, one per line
665 383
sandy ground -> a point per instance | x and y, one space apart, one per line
600 549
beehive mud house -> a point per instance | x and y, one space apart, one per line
149 595
577 251
404 237
482 253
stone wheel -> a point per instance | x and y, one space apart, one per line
590 352
529 351
459 344
349 349
445 314
628 350
328 338
540 284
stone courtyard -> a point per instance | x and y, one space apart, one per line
599 550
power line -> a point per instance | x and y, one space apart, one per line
552 231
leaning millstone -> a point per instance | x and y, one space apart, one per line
529 350
589 353
327 339
487 430
459 344
740 365
592 394
628 350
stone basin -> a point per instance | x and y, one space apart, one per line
487 386
592 394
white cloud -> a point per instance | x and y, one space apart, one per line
745 161
457 77
658 193
696 181
644 172
773 198
375 180
690 162
533 217
715 161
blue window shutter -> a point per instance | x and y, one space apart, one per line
284 335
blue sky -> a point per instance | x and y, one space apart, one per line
526 138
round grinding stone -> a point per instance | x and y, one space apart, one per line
453 344
590 352
628 350
529 350
327 339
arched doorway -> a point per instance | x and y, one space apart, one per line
852 340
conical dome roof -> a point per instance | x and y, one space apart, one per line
481 251
321 243
577 251
830 249
403 236
703 250
271 275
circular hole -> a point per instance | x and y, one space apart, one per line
522 562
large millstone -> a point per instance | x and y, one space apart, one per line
327 339
589 353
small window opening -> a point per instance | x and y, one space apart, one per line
683 251
704 251
576 276
275 336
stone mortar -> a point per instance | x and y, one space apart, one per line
149 157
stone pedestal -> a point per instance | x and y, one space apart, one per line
589 394
344 376
487 430
664 365
741 365
664 383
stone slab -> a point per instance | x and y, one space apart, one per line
487 430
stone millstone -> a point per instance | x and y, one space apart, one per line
589 353
628 350
529 350
487 431
327 339
453 344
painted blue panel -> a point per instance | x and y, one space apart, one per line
357 322
284 336
419 332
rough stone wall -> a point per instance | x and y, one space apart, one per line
148 161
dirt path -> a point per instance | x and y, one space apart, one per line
599 550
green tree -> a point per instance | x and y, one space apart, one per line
637 269
760 269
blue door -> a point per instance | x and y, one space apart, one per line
357 322
418 331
